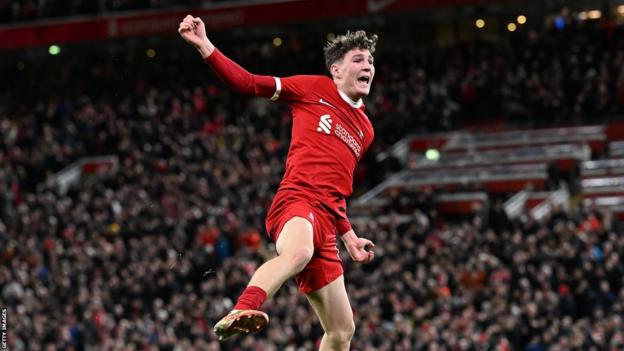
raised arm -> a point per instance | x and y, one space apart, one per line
193 30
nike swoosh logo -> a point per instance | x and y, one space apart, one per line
327 103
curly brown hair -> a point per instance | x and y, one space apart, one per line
336 49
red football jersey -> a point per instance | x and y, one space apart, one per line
330 132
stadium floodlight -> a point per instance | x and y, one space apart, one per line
54 50
480 23
594 14
432 154
560 22
521 19
511 27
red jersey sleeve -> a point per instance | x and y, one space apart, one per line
295 88
288 89
343 225
239 79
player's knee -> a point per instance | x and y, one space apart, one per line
299 257
341 335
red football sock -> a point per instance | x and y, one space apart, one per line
251 299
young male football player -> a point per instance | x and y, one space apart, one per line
330 134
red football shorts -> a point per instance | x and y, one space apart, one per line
325 265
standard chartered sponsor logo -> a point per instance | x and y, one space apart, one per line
325 124
344 135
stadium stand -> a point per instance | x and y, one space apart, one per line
144 246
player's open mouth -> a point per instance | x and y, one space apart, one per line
363 81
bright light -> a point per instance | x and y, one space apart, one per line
511 27
277 41
594 14
480 23
521 19
151 53
114 228
331 36
582 15
560 22
432 155
620 9
54 50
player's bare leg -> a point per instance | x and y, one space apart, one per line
332 306
295 248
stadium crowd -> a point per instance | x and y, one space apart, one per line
149 255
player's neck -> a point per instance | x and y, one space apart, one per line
349 100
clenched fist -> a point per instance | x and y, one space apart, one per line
193 30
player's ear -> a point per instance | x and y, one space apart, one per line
334 69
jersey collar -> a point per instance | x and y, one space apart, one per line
354 104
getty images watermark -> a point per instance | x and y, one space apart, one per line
3 329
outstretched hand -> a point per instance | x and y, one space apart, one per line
193 30
360 249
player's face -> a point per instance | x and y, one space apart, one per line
356 72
